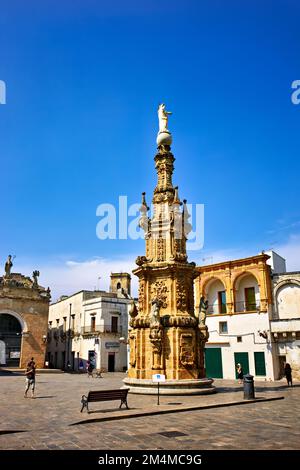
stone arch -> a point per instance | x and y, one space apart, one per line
287 299
210 280
247 295
283 283
210 290
237 277
13 327
19 317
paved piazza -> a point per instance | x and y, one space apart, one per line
48 420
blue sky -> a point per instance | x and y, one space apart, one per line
84 79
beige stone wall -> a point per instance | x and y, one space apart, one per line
34 312
230 273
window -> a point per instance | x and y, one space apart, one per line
223 327
93 323
72 322
250 301
239 339
50 324
65 323
222 301
114 324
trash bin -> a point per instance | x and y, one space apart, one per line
248 387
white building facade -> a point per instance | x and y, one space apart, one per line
239 298
87 326
285 323
253 317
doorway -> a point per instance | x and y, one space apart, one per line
213 363
11 336
2 353
73 360
282 360
241 358
111 362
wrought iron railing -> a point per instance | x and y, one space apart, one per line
245 306
216 309
90 329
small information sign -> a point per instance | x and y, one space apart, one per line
158 378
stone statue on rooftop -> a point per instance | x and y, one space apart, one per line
35 276
8 266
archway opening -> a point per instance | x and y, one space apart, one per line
247 294
216 296
10 340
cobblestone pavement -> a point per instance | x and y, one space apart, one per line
46 420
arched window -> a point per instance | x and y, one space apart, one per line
247 295
216 296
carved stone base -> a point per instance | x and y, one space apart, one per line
170 387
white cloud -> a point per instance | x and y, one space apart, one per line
291 252
71 276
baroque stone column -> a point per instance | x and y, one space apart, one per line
166 336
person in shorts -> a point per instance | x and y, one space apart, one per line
30 378
240 373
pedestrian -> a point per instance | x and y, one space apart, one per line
30 378
240 373
81 365
288 373
90 369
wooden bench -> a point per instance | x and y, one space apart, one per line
105 395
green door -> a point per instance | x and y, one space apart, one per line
241 358
213 363
260 365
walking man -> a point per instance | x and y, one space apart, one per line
30 378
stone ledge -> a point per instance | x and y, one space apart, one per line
127 414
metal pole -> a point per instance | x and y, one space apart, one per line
69 335
158 393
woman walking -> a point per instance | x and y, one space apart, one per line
288 374
240 373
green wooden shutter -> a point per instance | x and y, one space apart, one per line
260 364
213 363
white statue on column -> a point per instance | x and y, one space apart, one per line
163 118
164 136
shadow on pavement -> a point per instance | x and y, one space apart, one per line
10 432
48 396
